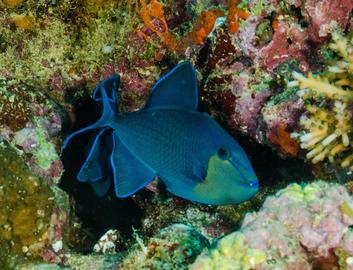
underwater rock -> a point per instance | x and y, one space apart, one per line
93 261
161 212
53 52
174 247
40 266
35 219
324 16
31 122
108 243
60 47
246 72
301 227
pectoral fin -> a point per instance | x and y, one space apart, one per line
130 173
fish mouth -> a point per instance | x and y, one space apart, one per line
244 181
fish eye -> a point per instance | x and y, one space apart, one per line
223 153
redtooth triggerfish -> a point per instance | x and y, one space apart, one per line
169 139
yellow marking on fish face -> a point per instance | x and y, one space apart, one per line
224 184
218 179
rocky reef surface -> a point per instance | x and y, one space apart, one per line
276 74
300 227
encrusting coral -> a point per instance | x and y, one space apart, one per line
33 217
328 98
300 227
174 247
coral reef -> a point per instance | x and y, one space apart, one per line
328 125
174 247
61 46
52 53
160 211
246 71
34 216
301 227
92 261
31 122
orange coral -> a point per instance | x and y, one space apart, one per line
282 138
203 26
155 11
234 15
275 24
12 3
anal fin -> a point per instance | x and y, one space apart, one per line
96 165
102 186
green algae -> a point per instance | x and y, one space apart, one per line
25 219
264 32
45 154
257 9
346 209
66 46
284 96
263 83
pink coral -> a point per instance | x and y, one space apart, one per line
322 14
288 42
247 105
298 228
290 39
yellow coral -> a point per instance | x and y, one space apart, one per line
328 127
24 21
232 253
27 208
12 3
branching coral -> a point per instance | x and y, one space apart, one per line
329 99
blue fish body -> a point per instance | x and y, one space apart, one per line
188 150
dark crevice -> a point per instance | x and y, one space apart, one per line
96 214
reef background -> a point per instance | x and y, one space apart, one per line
276 74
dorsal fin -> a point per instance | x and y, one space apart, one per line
177 88
110 86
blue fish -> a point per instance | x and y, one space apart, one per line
169 139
